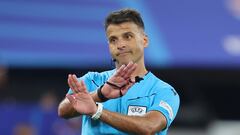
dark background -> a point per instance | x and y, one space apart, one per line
206 93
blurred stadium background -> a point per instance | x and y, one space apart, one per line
194 45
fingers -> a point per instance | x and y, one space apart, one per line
119 72
75 85
129 69
123 74
83 86
71 84
126 68
126 71
71 98
79 85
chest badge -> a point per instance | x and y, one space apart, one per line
136 110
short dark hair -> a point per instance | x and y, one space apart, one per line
124 15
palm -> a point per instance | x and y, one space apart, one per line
81 100
83 103
120 80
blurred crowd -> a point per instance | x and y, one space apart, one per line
33 118
36 118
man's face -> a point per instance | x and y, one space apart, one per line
126 42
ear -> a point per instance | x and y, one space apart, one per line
145 40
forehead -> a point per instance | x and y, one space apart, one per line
118 29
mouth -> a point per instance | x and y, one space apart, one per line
123 53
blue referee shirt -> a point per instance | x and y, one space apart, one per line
149 94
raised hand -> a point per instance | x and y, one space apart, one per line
118 84
81 100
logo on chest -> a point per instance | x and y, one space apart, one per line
136 110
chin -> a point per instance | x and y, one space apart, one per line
124 62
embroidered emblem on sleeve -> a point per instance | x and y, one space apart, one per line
167 107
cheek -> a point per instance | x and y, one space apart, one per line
139 50
111 50
139 47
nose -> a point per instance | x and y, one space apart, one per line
121 44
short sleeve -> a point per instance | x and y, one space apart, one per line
167 102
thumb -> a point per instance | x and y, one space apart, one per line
131 80
71 98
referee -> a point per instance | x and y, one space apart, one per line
128 99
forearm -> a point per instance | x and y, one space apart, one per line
142 125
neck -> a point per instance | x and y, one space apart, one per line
140 71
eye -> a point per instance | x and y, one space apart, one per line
112 40
128 36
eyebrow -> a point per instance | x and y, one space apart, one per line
111 37
129 32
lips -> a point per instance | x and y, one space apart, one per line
123 53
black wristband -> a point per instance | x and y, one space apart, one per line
100 95
114 85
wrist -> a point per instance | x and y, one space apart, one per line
98 113
101 96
